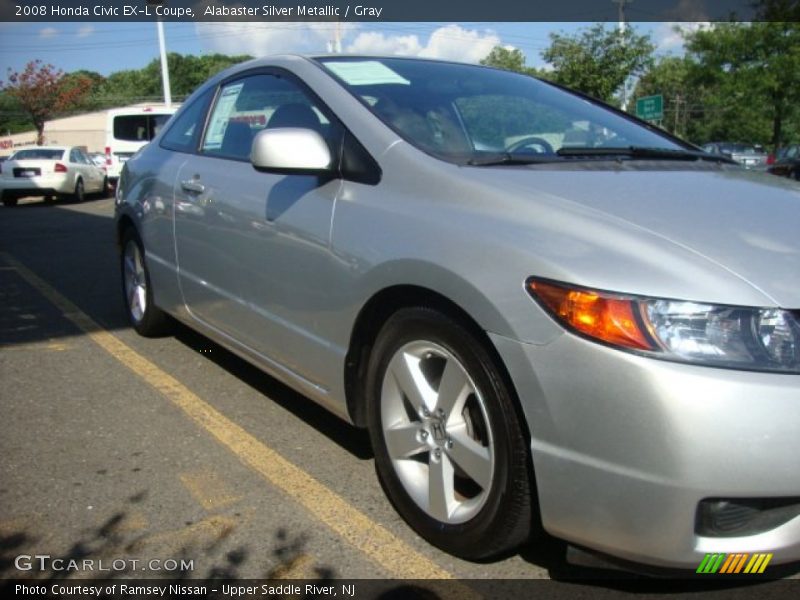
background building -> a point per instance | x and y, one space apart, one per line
87 130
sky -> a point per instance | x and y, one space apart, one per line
109 47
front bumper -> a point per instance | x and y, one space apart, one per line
625 448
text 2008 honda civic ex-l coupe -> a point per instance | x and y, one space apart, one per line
537 305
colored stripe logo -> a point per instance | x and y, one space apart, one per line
734 563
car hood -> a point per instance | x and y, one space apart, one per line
746 224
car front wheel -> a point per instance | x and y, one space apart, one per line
143 314
449 448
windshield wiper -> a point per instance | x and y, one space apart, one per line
645 152
506 158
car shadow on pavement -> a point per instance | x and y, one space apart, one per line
34 202
68 251
353 439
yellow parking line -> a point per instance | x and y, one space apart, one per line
395 556
203 534
209 489
299 567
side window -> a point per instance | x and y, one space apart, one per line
184 132
73 156
248 105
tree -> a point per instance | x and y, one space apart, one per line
598 61
750 74
85 102
12 118
186 72
510 59
43 91
670 77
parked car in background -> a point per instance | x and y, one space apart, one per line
99 159
787 162
752 156
542 310
127 130
49 171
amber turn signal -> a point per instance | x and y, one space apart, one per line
606 317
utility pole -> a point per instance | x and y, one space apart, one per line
335 45
621 8
164 66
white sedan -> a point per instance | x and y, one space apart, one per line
50 171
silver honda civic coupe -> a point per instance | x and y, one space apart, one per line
549 315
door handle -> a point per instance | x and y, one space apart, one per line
193 186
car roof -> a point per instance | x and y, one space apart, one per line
288 59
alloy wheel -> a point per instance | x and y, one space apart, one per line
135 281
437 433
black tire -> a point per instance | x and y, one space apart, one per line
148 321
9 201
79 195
498 517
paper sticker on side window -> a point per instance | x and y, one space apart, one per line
365 72
222 113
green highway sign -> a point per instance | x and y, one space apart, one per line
650 108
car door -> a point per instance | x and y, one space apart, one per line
92 176
253 246
75 168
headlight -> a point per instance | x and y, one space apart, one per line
763 339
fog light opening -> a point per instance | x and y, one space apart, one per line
736 517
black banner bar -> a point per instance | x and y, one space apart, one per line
733 587
395 10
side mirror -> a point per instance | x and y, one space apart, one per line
291 150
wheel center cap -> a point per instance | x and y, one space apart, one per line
438 431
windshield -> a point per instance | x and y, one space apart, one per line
460 112
39 154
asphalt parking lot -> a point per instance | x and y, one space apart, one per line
138 455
